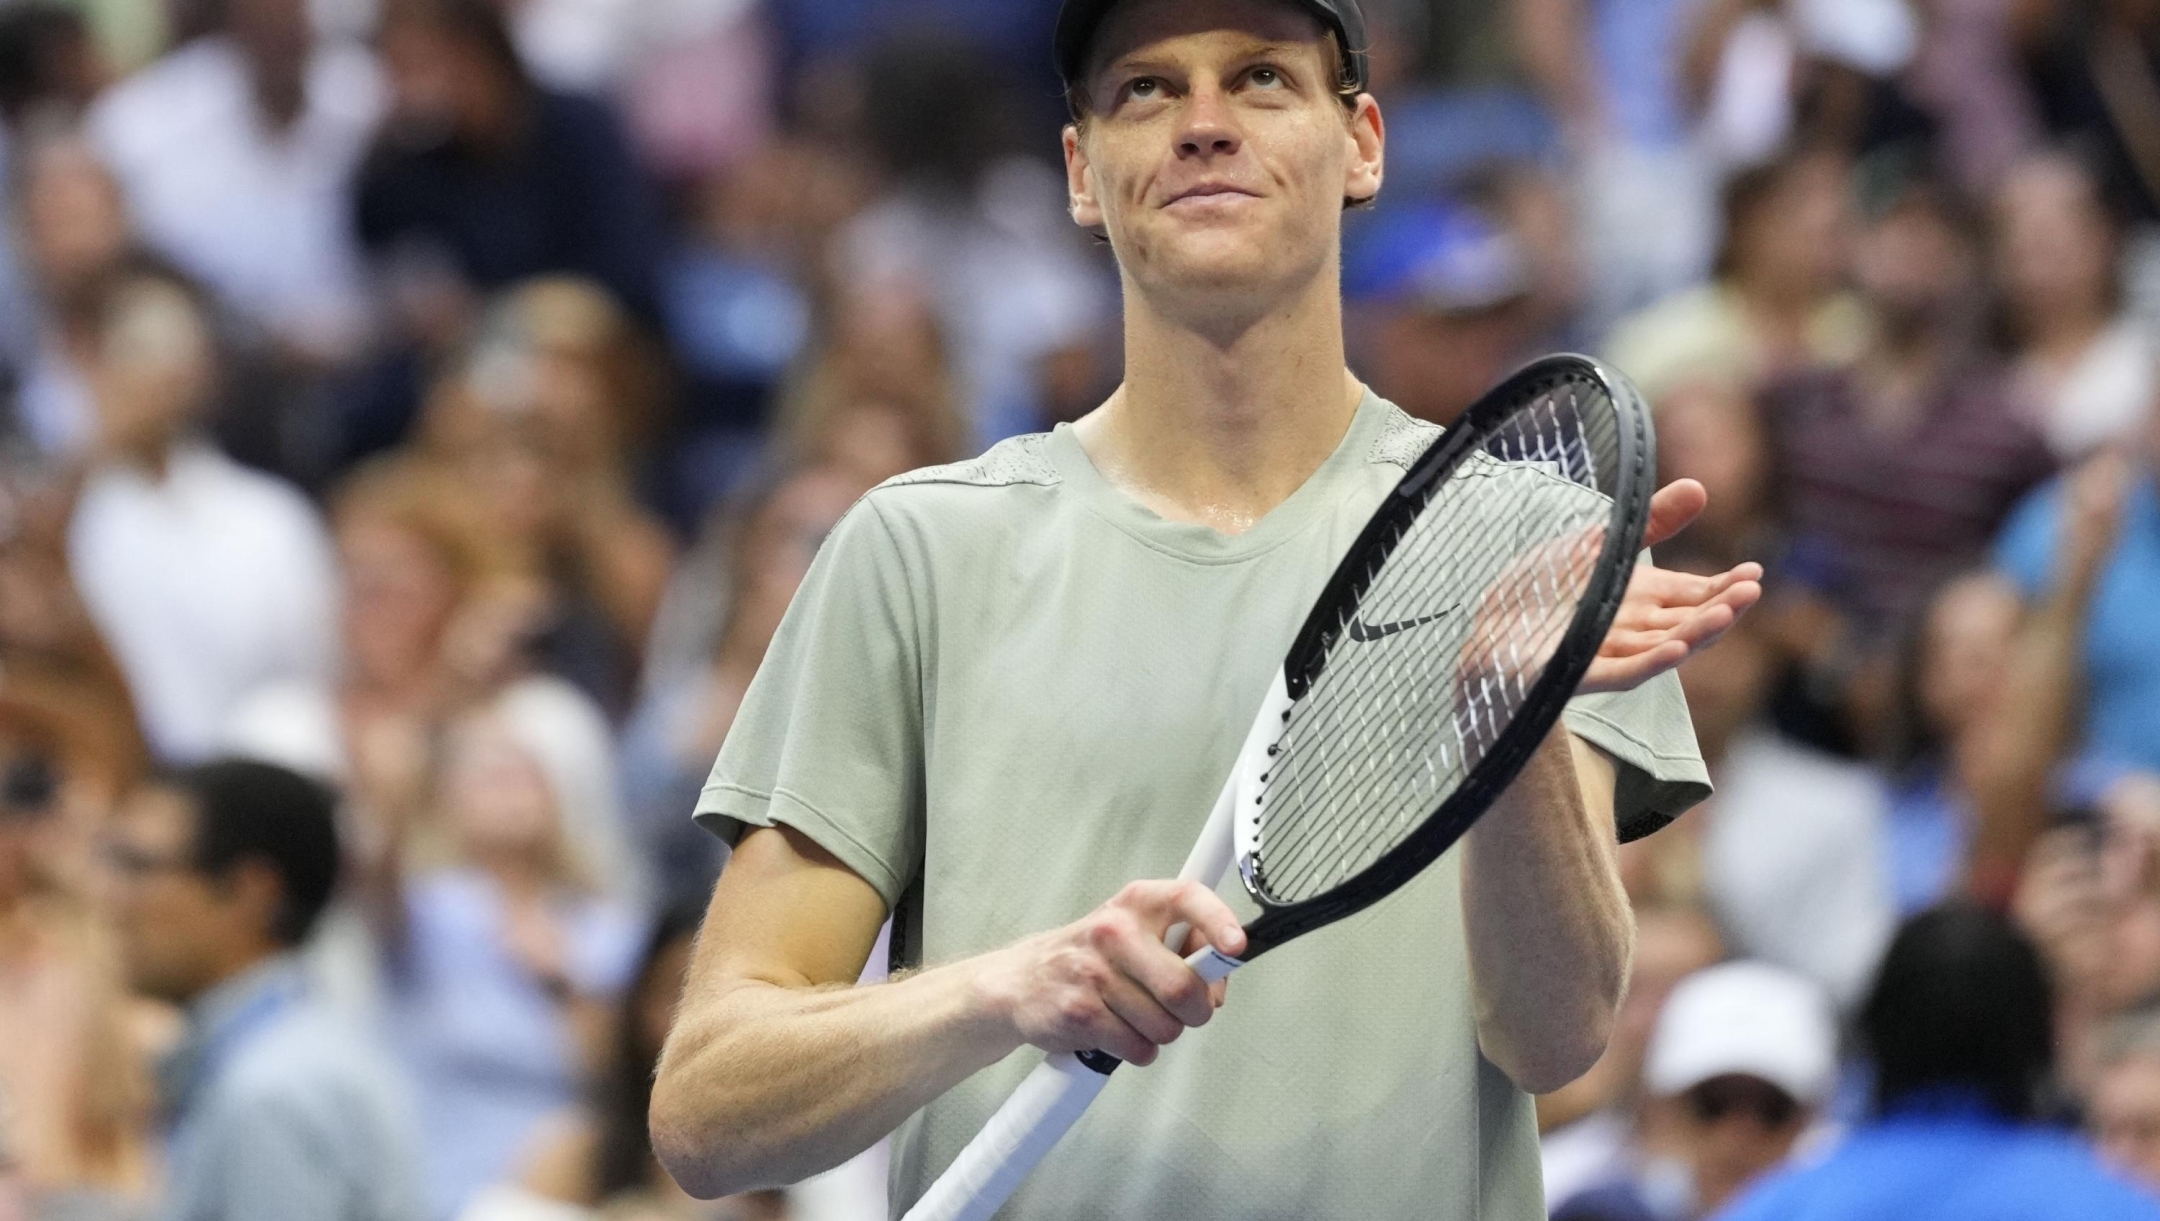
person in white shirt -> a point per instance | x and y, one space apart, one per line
237 152
207 579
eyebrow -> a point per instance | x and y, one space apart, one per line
1257 50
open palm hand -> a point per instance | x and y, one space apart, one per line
1667 617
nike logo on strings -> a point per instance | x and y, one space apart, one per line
1365 633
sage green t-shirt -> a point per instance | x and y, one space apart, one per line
1005 689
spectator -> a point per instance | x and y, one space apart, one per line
2084 368
971 230
2088 901
2115 595
483 178
208 580
503 965
1445 298
1774 301
1949 690
879 396
529 430
1708 430
2123 1112
1905 464
435 623
71 231
599 1162
1960 1027
277 1107
677 730
72 1062
49 71
237 152
49 65
1742 1060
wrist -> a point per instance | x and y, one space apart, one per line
986 1002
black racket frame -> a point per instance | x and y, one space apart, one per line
1635 466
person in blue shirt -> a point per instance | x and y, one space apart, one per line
1961 1027
2121 666
276 1104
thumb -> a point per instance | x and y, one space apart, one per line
1673 509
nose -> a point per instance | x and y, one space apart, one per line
1208 130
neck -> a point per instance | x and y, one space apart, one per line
237 961
1219 422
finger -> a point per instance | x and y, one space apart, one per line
1170 984
1110 1032
1673 509
1209 916
1625 673
1143 1013
1669 588
1218 991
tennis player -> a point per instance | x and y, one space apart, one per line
1011 686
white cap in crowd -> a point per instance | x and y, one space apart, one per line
1745 1018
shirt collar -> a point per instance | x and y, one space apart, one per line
222 1016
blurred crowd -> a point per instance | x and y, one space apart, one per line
415 416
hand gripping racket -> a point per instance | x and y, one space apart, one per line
1438 657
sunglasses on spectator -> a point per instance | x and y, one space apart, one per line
135 862
1714 1100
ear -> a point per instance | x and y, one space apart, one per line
1368 150
1079 192
257 895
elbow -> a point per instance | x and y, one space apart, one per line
1546 1064
1542 1057
687 1139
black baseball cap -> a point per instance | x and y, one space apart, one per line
1079 19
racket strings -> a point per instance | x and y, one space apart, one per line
1454 628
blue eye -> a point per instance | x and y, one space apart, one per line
1266 78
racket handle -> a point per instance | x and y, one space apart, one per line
1210 856
986 1173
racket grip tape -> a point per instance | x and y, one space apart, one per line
1028 1126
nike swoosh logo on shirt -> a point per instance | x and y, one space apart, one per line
1365 633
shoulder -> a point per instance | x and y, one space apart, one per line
1015 461
939 505
146 104
2024 551
1402 437
314 1066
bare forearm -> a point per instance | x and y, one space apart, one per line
1548 923
765 1085
2007 764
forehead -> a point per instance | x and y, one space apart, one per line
1151 27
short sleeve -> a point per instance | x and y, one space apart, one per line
2024 552
1648 733
829 737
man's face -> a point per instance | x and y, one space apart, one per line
1217 154
173 921
1735 1128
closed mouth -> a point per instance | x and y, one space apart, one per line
1210 191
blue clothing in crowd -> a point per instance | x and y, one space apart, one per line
2122 668
491 1054
281 1107
1948 1163
1925 835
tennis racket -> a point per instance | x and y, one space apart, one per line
1439 656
